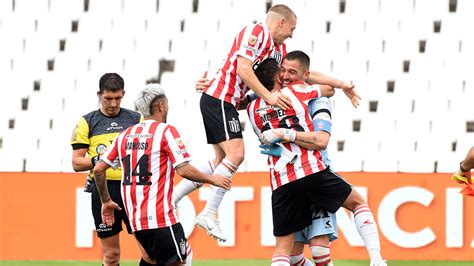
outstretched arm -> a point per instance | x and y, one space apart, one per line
347 87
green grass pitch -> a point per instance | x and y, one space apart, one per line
240 262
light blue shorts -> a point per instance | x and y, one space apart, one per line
324 223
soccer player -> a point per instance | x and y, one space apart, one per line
295 67
219 101
93 134
463 175
149 154
297 186
323 229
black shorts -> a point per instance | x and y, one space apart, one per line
292 203
164 245
221 120
103 230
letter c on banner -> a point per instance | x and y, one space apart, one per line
388 219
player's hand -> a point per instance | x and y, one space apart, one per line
107 212
286 158
278 135
351 93
270 149
347 85
202 83
462 177
220 181
280 100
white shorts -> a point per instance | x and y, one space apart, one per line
324 223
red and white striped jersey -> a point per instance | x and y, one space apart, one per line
264 117
253 42
148 153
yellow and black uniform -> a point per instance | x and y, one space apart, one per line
96 131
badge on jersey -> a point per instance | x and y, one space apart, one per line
252 40
180 143
74 134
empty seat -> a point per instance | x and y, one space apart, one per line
143 8
71 8
31 8
105 7
365 8
396 9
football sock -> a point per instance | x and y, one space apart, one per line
226 169
367 228
189 254
321 255
300 260
280 260
187 186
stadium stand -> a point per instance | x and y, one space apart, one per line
410 59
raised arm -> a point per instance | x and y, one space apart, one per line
246 73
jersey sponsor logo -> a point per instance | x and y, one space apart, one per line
137 136
265 109
234 125
146 218
250 48
137 145
114 126
103 228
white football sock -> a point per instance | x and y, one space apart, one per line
300 260
189 256
186 186
367 228
280 260
321 255
226 169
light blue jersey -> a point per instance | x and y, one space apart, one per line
324 222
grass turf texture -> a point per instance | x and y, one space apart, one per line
240 262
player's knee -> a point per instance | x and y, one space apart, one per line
112 256
238 157
354 200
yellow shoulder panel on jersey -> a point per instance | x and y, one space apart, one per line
80 134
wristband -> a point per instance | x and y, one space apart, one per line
94 160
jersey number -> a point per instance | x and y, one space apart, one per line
143 174
286 122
